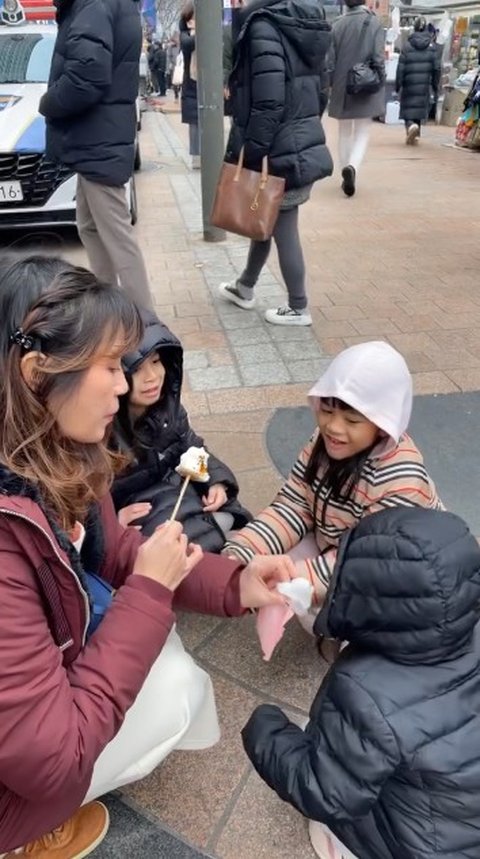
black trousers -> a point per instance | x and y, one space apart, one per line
162 82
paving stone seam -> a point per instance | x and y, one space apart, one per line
222 821
158 824
213 668
211 636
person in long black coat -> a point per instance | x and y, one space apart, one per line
159 68
418 77
189 96
390 760
278 92
156 436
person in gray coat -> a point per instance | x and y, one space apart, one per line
353 43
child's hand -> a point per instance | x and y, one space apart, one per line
216 498
132 512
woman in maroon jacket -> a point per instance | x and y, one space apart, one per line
95 686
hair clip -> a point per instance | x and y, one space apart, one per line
23 340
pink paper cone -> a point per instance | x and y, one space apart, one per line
271 622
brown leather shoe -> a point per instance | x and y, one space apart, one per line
76 838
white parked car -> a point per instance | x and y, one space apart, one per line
33 190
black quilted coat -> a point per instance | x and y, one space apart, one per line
418 75
390 760
90 102
189 98
157 441
279 88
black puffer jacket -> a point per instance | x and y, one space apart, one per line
390 760
158 440
90 101
278 90
159 59
418 74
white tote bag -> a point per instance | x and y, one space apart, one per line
177 77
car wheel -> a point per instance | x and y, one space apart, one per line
137 164
133 202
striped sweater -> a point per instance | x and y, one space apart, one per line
395 478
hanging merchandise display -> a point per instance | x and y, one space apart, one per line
460 37
465 43
467 133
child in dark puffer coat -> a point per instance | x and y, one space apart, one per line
153 426
388 766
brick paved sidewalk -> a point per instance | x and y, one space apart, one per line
399 262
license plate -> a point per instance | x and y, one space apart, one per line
10 192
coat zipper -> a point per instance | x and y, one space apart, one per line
67 567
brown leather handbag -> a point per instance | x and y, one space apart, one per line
246 202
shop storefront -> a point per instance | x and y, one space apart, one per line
460 107
455 30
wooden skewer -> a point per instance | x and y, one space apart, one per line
180 498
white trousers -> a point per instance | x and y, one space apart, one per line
175 709
353 137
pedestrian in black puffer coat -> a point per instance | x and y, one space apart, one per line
153 426
278 89
418 76
189 96
390 759
159 68
91 118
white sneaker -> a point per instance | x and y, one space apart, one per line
413 134
196 162
228 291
286 316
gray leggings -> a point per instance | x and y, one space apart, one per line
194 139
290 257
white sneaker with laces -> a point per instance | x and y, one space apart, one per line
286 316
413 134
228 291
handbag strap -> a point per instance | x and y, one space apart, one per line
263 174
263 178
365 26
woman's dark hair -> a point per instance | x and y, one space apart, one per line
188 11
420 24
70 317
340 476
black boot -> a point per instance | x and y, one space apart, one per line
348 185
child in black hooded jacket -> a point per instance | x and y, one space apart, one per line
153 427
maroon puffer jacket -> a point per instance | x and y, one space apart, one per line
61 699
